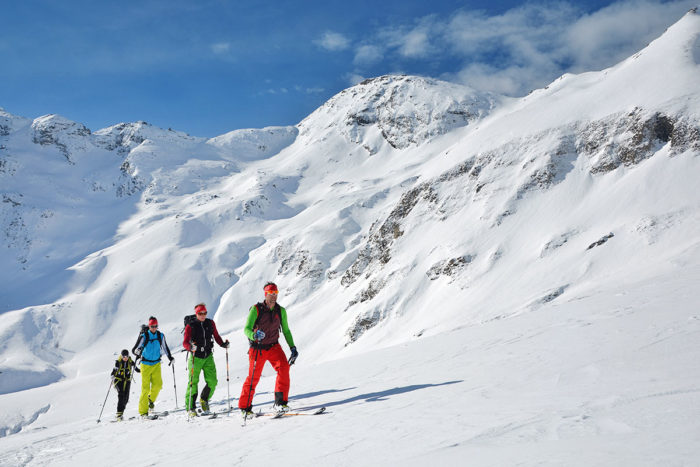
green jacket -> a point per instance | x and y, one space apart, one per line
270 322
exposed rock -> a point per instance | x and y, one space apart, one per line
378 246
66 135
601 241
300 263
449 267
362 324
375 286
557 242
550 296
129 182
626 140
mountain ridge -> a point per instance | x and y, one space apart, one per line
336 202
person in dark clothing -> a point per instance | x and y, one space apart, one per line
265 320
122 374
199 338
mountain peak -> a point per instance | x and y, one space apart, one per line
401 110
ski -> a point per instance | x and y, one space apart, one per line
164 413
123 419
291 414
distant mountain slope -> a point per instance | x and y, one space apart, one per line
403 207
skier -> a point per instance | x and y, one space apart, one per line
262 328
200 335
122 374
150 348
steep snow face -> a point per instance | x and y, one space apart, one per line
254 144
399 110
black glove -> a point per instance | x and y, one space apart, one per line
226 344
294 356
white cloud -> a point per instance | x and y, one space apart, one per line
416 44
416 41
333 41
221 48
530 46
368 55
355 78
524 48
613 33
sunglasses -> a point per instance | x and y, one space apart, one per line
153 326
204 313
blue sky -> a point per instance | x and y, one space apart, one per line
207 67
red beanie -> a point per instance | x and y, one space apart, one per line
270 288
200 308
153 322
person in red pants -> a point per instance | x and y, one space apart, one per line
262 329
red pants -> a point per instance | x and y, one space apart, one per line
278 359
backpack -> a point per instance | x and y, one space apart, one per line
189 319
144 332
276 310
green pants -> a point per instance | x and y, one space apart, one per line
151 384
200 364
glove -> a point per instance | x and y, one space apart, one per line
226 344
258 335
171 360
293 357
137 352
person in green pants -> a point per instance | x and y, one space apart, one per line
200 334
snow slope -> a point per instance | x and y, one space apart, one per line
469 279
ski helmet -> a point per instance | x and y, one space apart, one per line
125 353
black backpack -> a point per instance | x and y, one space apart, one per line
144 332
189 319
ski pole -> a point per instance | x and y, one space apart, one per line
228 389
111 381
174 383
252 376
188 404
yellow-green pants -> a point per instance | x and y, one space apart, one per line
151 384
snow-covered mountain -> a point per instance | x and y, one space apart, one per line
529 263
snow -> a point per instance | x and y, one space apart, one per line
435 250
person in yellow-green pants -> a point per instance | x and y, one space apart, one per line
150 348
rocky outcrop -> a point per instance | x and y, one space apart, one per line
629 139
449 267
403 110
377 249
66 135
